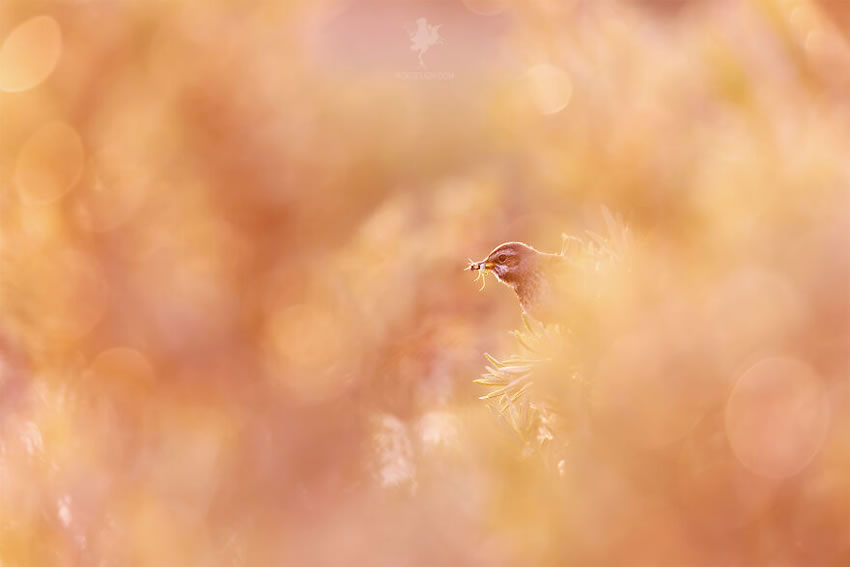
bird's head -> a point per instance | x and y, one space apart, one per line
510 261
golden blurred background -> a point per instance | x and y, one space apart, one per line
235 327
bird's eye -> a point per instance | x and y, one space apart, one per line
502 258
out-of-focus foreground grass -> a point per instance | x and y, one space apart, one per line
234 325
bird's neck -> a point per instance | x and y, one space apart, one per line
529 288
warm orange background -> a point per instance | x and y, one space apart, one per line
235 327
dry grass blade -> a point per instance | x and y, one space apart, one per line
521 369
525 387
490 381
503 389
526 321
492 360
521 340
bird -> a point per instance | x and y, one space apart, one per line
538 278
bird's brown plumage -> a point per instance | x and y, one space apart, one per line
536 277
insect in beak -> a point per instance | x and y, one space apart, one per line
481 268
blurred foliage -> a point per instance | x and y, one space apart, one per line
235 327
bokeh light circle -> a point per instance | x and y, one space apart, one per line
49 164
304 346
550 87
29 54
777 417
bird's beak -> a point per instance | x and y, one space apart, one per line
483 265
